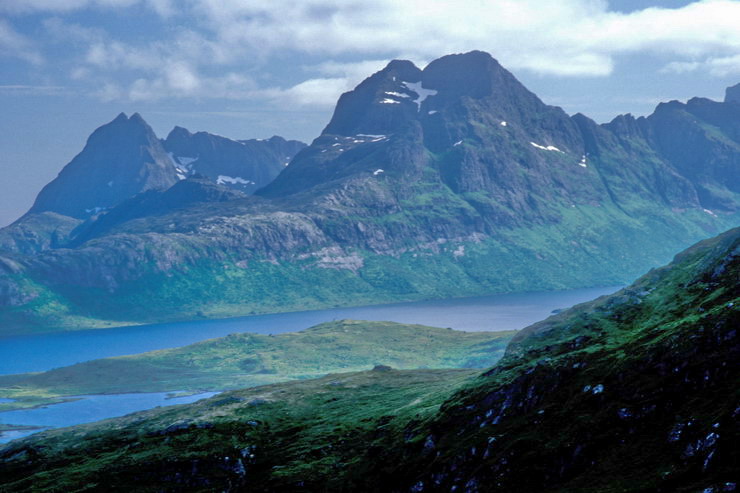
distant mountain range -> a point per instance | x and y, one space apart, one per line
125 158
448 181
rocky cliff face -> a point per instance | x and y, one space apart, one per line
448 181
635 391
629 392
245 165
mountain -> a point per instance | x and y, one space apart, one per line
636 391
453 180
129 160
245 165
119 160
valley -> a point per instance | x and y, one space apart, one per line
226 276
639 387
369 247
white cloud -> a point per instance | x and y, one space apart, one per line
14 44
722 66
182 78
201 39
717 66
354 72
181 81
162 7
317 93
568 37
22 89
680 67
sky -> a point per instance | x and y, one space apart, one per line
257 68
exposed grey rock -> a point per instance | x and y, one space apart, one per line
244 165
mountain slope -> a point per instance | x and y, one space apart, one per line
635 391
453 180
245 165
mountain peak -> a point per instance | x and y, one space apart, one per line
475 74
179 133
405 70
136 118
381 104
121 158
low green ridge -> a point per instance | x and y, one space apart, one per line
248 360
240 428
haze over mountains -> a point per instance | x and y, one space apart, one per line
448 181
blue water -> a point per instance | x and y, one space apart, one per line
498 312
43 352
87 409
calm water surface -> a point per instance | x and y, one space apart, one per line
498 312
89 408
43 352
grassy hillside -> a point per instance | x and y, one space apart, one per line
247 360
268 431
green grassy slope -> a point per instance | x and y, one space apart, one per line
247 360
270 432
588 247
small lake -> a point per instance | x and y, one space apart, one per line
497 312
87 409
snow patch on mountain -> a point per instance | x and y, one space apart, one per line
420 91
397 94
375 138
546 148
234 180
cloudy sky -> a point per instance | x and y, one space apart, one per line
256 68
